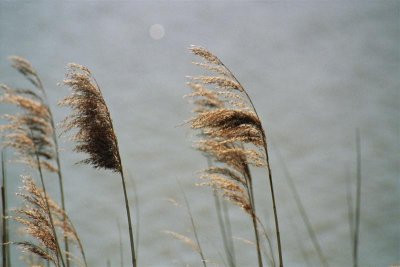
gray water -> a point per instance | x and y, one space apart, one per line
316 71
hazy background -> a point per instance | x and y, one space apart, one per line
316 71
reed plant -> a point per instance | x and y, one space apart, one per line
95 136
232 135
41 216
45 125
28 134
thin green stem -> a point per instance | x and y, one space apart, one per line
137 214
193 226
272 259
278 236
77 239
4 246
350 211
60 179
223 230
227 221
301 208
300 243
358 199
128 214
121 249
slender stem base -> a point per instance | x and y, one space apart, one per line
128 213
358 200
278 235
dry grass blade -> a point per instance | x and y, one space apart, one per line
186 240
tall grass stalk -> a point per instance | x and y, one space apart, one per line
300 243
350 211
137 214
358 200
300 207
5 230
271 258
128 214
194 229
121 248
227 220
96 136
223 222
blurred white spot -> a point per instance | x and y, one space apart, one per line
157 31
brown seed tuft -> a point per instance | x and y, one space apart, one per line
91 117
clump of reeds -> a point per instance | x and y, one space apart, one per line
232 135
40 216
36 124
28 133
95 133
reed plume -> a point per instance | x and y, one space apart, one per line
48 127
29 132
232 134
95 133
37 222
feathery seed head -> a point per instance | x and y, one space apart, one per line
26 69
228 123
34 216
205 54
91 117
